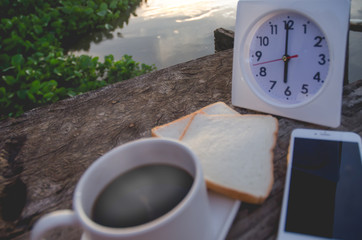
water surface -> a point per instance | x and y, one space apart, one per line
166 33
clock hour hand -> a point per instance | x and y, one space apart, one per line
286 60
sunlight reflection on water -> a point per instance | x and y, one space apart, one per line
189 10
167 32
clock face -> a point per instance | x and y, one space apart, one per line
289 58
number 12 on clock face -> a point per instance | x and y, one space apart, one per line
289 58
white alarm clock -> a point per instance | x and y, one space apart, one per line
289 58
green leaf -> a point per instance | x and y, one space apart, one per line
103 6
67 9
57 72
31 96
78 74
38 29
17 60
109 58
88 11
4 58
8 68
54 61
29 71
108 26
7 23
2 93
35 85
48 96
22 94
113 4
10 80
102 13
71 93
85 61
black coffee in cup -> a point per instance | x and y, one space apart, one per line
141 195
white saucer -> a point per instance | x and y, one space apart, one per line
223 211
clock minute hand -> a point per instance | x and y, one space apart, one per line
286 57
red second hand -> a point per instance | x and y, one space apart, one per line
280 59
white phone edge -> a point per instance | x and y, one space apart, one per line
310 134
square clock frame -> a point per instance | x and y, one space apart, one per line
289 58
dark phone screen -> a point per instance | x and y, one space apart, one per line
325 193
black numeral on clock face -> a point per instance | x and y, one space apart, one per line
304 89
273 83
289 24
305 27
258 54
273 29
287 92
318 40
322 60
317 77
263 41
262 72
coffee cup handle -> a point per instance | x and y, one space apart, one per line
52 220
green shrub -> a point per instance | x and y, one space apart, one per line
35 69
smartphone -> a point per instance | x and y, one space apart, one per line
323 189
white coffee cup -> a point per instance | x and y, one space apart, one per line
190 219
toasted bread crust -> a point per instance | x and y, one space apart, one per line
154 130
235 194
191 116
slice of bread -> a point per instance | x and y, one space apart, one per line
236 153
176 128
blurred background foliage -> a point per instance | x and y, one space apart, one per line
34 65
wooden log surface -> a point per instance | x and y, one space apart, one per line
44 152
355 25
223 39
